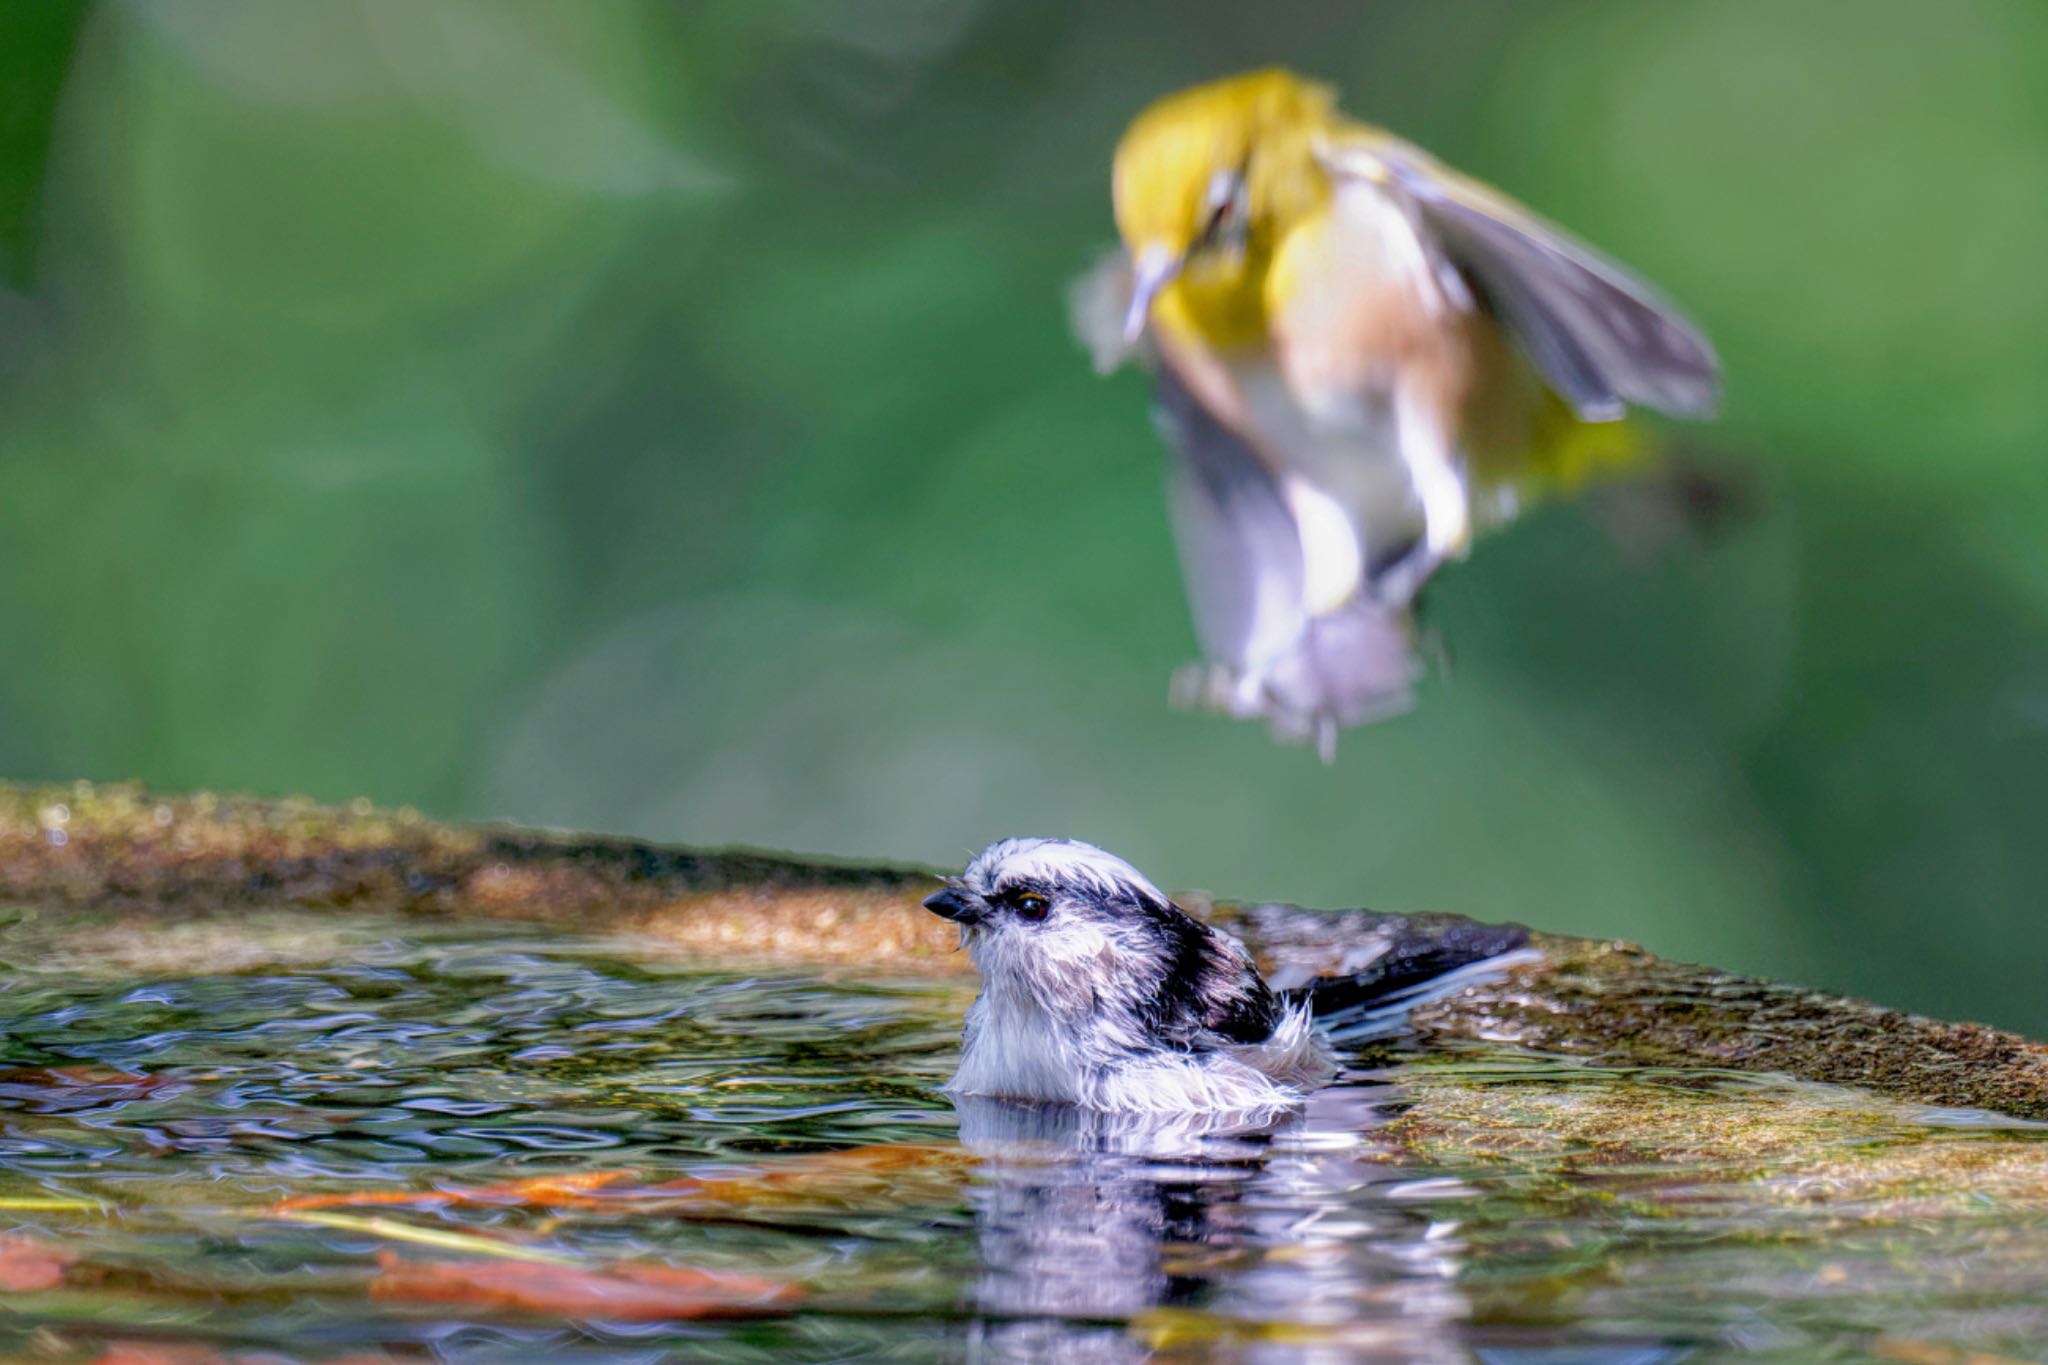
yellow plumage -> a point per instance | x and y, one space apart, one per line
1364 358
1164 163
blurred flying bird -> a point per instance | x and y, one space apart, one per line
1363 359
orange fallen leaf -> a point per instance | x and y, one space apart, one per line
27 1265
73 1087
1913 1351
78 1075
623 1291
854 1177
194 1353
158 1353
544 1191
851 1177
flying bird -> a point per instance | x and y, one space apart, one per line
1363 360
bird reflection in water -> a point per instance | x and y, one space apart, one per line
1289 1235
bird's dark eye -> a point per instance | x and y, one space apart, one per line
1223 209
1032 906
1216 225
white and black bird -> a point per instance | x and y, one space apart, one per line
1099 991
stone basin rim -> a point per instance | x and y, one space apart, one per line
144 856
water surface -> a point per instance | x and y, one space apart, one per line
174 1105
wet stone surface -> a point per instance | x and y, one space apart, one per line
365 1136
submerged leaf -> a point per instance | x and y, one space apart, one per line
547 1191
159 1353
442 1238
37 1203
883 1175
27 1264
625 1291
855 1177
55 1089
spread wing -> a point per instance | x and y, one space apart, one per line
1243 559
1599 336
1245 563
1240 553
1096 303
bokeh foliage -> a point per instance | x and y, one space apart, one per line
660 417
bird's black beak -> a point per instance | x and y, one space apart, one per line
956 904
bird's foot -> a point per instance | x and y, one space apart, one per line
1400 582
1208 686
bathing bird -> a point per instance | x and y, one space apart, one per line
1098 992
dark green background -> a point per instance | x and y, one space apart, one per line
661 418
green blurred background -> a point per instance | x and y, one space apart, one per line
661 418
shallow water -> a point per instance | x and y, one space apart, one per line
161 1095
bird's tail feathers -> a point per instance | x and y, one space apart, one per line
1412 963
1386 1015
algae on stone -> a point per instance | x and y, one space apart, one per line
121 851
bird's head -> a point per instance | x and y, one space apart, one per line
1206 181
1045 888
1075 932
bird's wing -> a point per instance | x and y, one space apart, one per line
1401 963
1240 553
1308 671
1097 301
1599 336
1246 565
